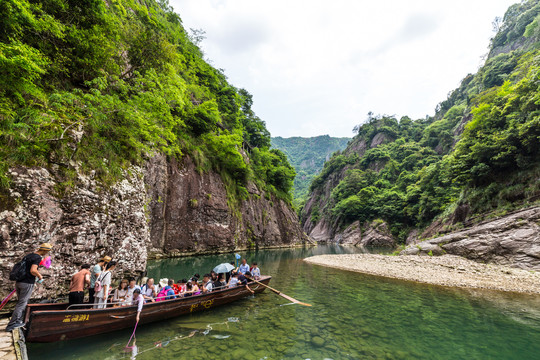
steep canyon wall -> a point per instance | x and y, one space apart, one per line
166 208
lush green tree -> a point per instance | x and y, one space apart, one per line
107 84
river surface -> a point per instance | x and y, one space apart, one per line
354 316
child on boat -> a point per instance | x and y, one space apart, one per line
255 271
180 287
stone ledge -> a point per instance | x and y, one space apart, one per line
7 349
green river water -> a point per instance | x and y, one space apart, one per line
354 316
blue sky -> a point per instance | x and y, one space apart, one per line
318 67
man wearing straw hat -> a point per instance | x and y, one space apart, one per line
25 286
94 273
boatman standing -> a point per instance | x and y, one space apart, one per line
25 285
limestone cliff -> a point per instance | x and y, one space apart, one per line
166 208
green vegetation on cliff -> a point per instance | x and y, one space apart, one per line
307 156
101 85
480 152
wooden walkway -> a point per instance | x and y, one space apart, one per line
8 349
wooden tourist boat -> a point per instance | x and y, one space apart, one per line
56 322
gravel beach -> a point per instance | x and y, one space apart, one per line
446 270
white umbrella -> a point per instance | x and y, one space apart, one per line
223 268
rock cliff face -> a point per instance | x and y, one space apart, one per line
510 240
166 208
83 225
189 213
375 233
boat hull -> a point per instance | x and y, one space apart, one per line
52 322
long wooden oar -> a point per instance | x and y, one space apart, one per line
280 293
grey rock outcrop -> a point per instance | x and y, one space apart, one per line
510 240
374 234
83 224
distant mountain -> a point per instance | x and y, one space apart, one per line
308 155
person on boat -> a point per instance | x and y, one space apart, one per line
78 282
100 299
167 292
255 271
207 285
138 300
149 291
196 289
180 287
189 289
94 273
244 267
219 283
130 290
243 280
229 274
25 286
234 280
120 294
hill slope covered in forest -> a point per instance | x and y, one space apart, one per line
477 156
106 84
307 156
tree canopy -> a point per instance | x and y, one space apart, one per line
100 85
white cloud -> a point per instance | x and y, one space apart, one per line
318 67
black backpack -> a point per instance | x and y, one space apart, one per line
18 272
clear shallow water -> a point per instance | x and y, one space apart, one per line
354 316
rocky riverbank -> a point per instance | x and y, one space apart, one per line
446 270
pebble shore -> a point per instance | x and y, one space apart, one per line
446 270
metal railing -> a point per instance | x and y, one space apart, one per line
124 303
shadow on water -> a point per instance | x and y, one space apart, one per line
354 316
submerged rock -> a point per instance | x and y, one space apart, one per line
317 341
